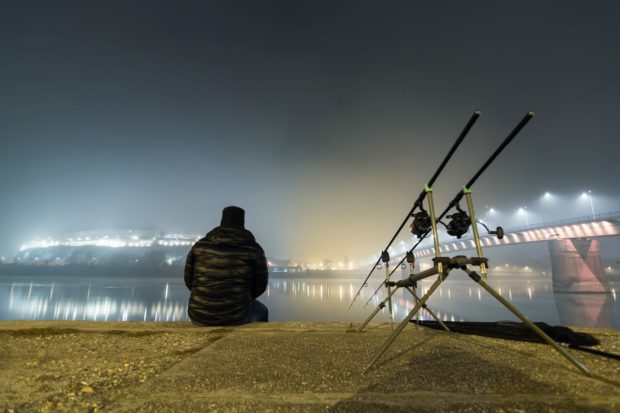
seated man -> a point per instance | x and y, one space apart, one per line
225 272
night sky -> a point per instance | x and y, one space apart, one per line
323 119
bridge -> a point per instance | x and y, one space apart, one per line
601 225
575 253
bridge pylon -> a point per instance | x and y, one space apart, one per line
577 266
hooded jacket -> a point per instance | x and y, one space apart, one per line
224 271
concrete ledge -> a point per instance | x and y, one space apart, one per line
289 367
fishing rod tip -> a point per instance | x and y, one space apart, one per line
530 114
477 113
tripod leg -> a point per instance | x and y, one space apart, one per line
379 308
404 323
415 302
427 308
474 276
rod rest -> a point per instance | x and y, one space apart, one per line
449 263
460 261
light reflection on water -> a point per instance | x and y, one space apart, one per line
303 299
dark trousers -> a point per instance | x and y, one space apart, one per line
257 312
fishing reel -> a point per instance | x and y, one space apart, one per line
499 231
421 224
459 223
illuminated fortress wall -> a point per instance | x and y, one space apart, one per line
108 247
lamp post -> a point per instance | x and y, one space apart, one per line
523 211
490 213
588 195
544 198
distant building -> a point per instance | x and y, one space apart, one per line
119 247
112 246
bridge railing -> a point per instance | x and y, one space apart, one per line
569 221
539 225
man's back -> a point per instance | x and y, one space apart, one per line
225 271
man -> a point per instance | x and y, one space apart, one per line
226 271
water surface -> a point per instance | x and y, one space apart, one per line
307 297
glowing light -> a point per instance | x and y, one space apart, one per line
116 242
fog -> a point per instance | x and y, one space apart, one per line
323 120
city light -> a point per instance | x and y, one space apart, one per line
166 240
490 212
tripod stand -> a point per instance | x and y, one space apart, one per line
416 300
443 266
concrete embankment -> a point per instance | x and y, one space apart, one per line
290 367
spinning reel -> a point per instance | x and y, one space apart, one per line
421 224
459 223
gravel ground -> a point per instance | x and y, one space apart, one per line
88 366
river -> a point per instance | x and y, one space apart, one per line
306 297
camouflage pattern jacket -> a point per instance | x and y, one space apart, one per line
224 271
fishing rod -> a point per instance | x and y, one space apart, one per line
420 199
458 226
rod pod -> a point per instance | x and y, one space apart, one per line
418 202
457 198
461 262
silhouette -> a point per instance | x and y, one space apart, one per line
226 271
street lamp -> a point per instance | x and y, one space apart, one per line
523 211
546 197
489 213
588 196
